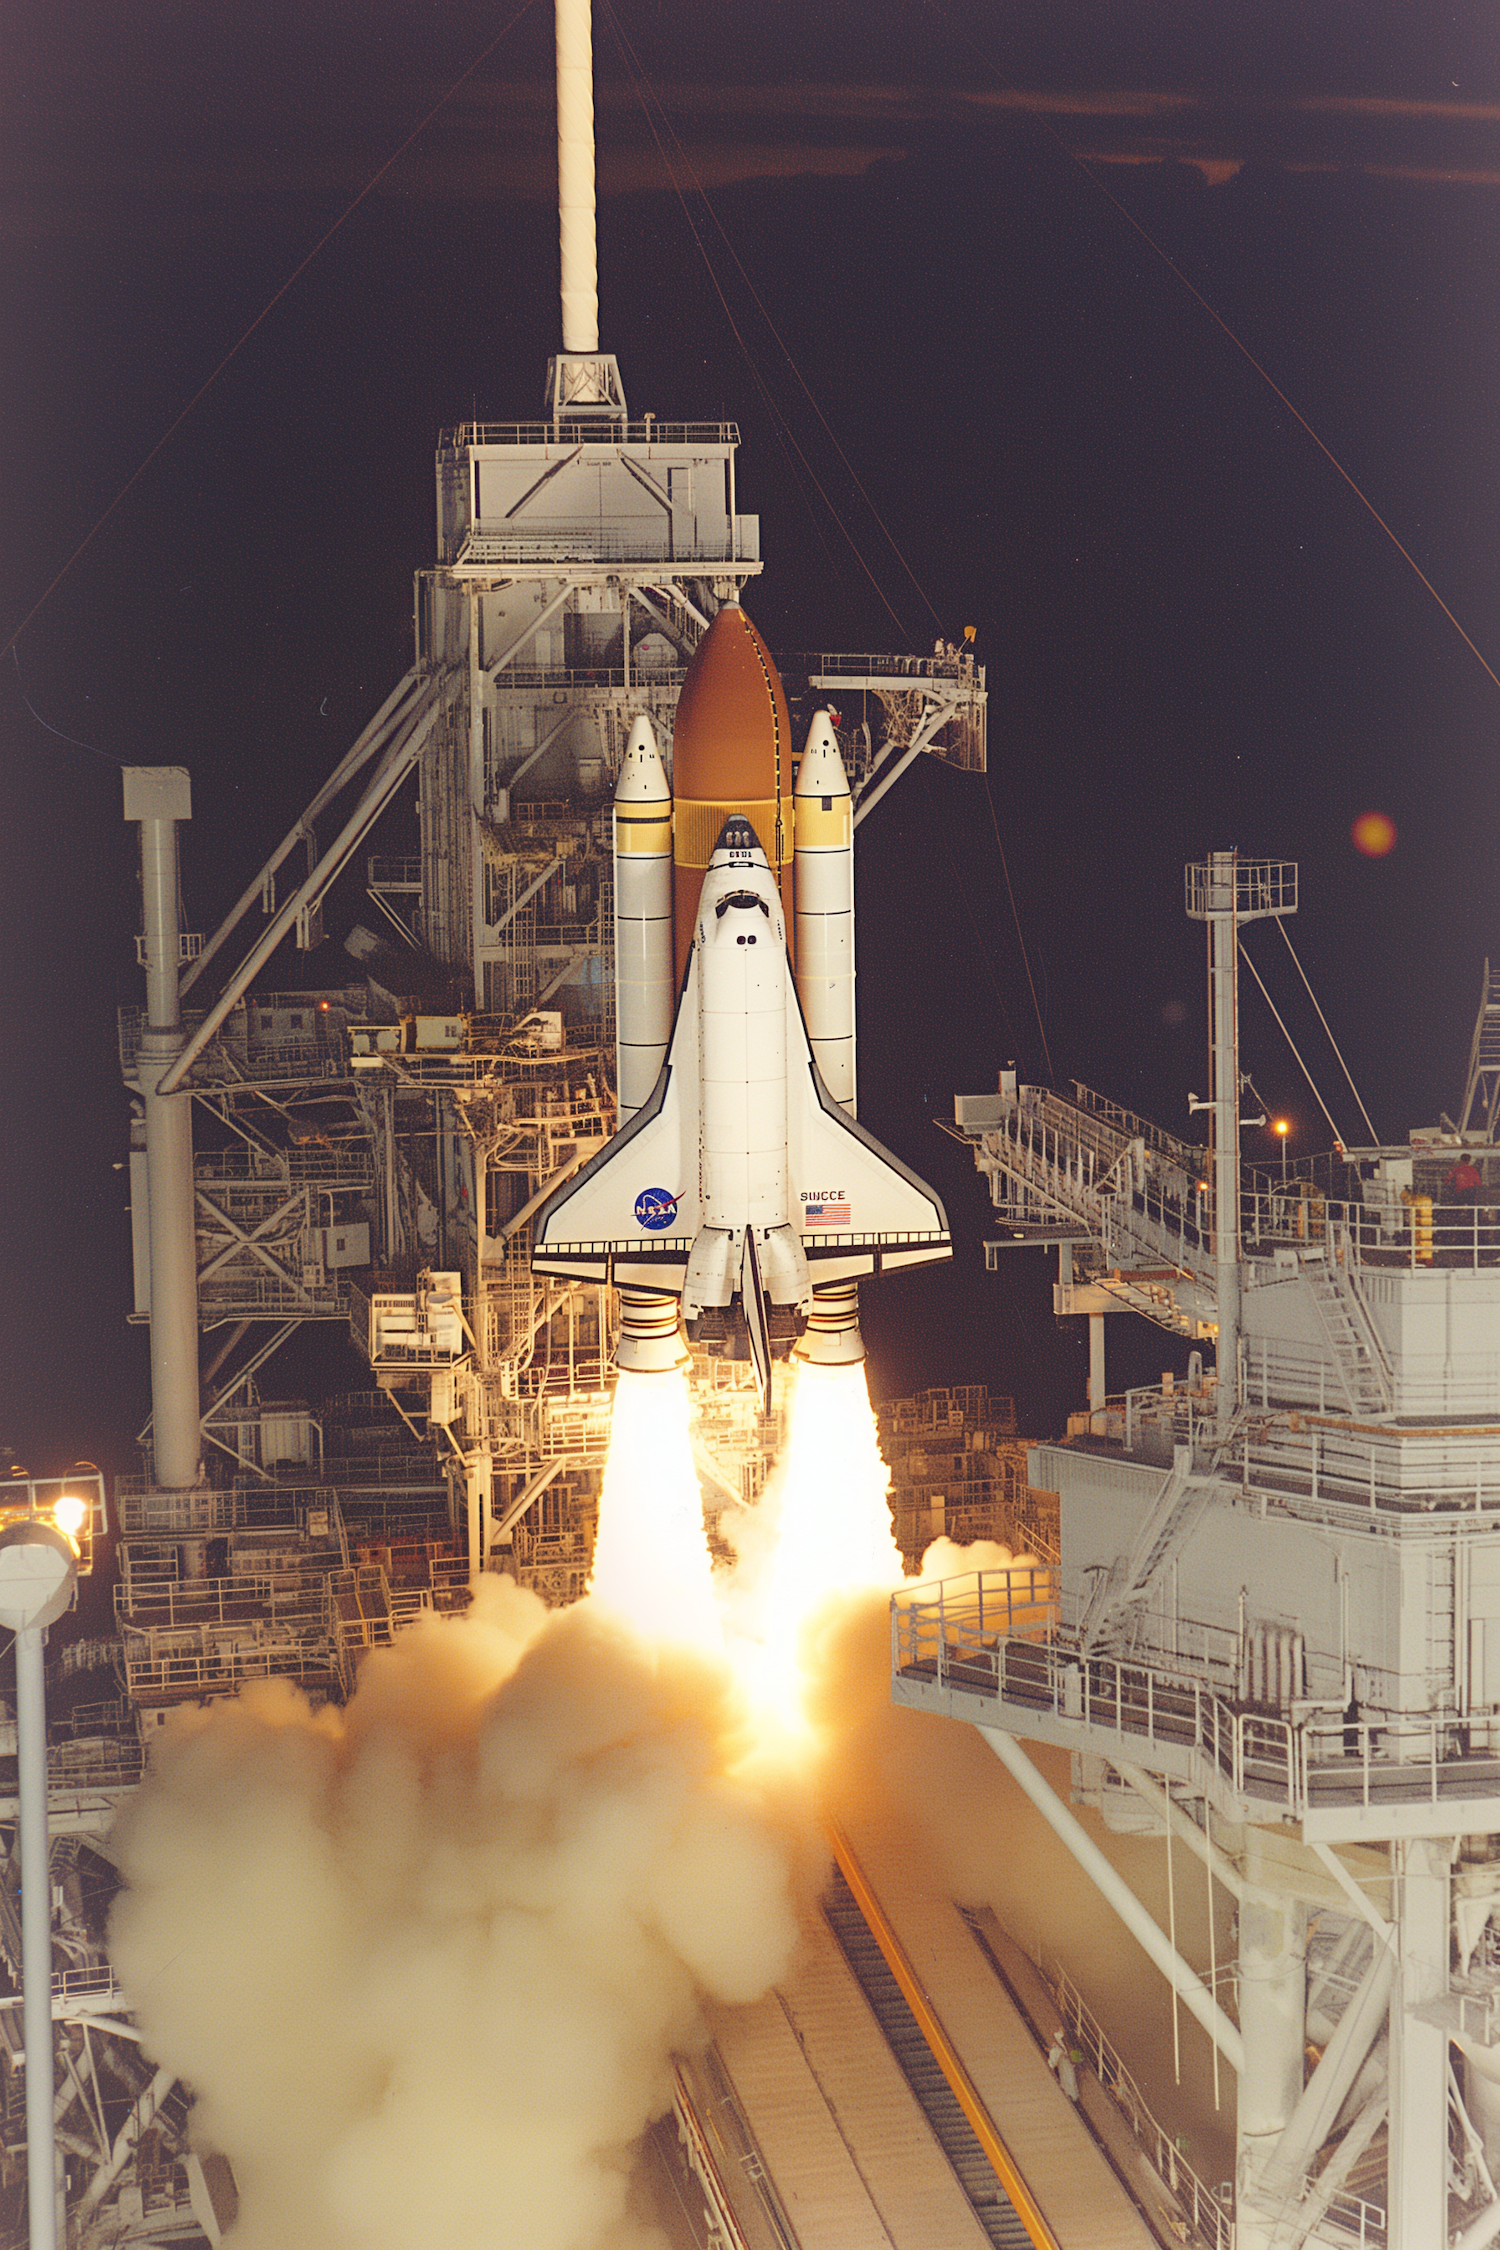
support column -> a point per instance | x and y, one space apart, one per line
1096 1362
38 1579
158 797
1112 1886
479 1489
1417 2194
1224 991
1273 2017
36 1936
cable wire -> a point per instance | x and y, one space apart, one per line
266 309
1280 921
982 58
978 937
645 89
110 757
1020 934
1329 455
781 343
1291 1042
646 95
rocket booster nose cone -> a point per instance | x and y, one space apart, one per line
821 773
643 778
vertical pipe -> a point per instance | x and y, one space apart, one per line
1224 988
1417 2194
158 797
575 176
1097 1392
36 1937
1273 2010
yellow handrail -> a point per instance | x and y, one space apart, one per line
944 2053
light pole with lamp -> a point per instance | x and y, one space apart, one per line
1281 1128
38 1578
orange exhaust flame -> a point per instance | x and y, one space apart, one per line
821 1531
651 1561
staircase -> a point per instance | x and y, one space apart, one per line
1357 1353
1128 1580
940 2105
1482 1085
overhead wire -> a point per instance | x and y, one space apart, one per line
989 966
1083 166
1016 918
1291 1042
110 757
1269 380
781 343
245 335
797 461
1280 921
646 95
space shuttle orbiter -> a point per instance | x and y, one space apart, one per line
740 1188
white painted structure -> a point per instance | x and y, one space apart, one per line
1289 1615
823 848
643 919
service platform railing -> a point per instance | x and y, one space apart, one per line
565 434
1001 1635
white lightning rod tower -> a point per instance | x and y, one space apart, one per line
581 379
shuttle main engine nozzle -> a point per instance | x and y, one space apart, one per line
831 1337
650 1335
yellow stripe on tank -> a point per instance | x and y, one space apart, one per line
648 830
824 830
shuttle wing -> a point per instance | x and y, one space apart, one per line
631 1214
857 1208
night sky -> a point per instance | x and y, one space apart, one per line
1195 634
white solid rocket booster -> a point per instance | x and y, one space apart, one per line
823 838
644 993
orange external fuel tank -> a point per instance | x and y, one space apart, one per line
731 753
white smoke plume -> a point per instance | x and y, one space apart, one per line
425 1960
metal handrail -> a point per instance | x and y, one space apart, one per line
566 433
949 1634
1202 2207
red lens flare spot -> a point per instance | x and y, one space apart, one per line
1373 834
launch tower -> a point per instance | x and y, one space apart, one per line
1274 1627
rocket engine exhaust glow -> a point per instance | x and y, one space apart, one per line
652 1566
426 1960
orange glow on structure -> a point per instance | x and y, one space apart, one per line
651 1561
1373 833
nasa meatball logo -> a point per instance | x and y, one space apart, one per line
655 1209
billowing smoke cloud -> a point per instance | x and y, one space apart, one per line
425 1960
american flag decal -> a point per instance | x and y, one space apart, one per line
830 1212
